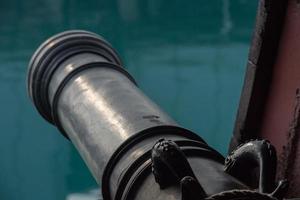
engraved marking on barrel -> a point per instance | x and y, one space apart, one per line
288 156
153 118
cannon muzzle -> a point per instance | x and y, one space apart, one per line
133 149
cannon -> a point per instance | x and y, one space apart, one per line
133 149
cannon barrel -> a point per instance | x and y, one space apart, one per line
133 149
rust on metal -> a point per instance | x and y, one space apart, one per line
268 106
286 167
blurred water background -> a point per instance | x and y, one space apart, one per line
188 56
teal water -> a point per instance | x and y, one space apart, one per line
188 56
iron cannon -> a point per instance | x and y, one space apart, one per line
133 149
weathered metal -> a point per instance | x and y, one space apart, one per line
269 105
133 149
262 55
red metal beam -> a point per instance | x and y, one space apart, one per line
270 101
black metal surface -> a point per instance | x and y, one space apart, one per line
169 163
257 155
169 166
258 160
76 82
